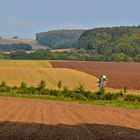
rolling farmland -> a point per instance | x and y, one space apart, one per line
25 63
22 119
32 72
120 74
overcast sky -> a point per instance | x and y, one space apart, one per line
27 17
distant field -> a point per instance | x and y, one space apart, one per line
24 63
63 50
120 74
33 43
32 72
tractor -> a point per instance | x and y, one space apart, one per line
103 81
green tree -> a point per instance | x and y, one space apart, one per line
122 57
59 85
125 89
3 84
80 88
42 85
23 85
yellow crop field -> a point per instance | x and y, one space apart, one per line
33 75
25 63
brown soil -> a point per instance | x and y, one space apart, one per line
120 74
23 119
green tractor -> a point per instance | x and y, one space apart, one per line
103 80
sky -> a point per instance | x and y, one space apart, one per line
25 18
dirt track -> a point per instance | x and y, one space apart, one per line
120 74
47 120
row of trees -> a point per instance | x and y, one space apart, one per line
15 47
78 93
79 55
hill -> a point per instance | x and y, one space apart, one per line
59 39
32 72
115 43
120 74
35 45
25 63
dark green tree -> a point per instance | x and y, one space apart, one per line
59 85
42 85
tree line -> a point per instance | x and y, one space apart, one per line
15 47
77 55
79 93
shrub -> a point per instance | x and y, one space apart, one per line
52 92
23 85
3 84
88 94
77 96
66 92
59 85
113 96
125 89
42 85
32 90
4 89
80 89
133 98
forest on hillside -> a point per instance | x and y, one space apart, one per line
59 39
99 44
121 42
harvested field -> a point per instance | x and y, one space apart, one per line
120 74
25 63
33 75
63 50
23 119
35 45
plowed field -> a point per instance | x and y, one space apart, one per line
23 119
120 74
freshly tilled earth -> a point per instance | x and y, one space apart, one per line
24 119
120 74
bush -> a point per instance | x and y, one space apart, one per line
77 96
3 84
41 85
113 96
125 89
59 85
88 94
52 92
23 85
80 89
66 92
4 89
133 98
